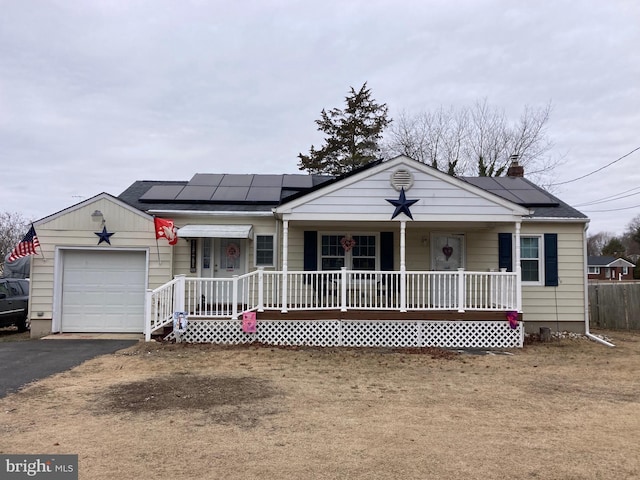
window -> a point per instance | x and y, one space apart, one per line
625 270
332 252
357 252
363 253
531 259
594 270
206 253
264 250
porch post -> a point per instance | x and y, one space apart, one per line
343 289
285 256
403 267
147 314
234 298
461 290
178 293
261 289
518 271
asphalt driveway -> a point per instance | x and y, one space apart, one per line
24 362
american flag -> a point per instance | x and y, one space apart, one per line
26 247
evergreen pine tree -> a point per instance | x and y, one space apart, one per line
352 135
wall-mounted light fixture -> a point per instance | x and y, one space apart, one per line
97 216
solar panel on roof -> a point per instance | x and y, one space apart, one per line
534 197
208 179
263 194
267 181
230 194
507 195
483 182
162 192
200 193
514 189
297 181
235 180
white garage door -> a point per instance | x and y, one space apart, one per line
103 291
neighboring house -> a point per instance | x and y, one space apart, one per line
609 268
394 254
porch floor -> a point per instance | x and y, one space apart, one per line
387 315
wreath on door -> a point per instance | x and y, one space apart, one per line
233 251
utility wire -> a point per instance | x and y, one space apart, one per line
611 198
611 210
596 171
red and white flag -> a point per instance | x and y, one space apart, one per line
26 247
166 229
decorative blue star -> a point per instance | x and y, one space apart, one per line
104 236
402 205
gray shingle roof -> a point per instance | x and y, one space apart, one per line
256 193
604 260
523 192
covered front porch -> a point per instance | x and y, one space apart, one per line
345 308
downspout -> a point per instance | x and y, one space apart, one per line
586 295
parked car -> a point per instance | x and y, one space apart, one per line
14 303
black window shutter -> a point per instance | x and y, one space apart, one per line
551 259
505 260
386 251
310 250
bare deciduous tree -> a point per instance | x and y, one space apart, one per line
435 138
597 241
631 237
476 140
13 227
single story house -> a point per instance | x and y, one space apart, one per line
395 253
607 268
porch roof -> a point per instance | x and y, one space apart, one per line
216 231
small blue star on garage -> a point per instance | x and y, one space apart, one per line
402 205
104 236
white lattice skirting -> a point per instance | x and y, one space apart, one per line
354 333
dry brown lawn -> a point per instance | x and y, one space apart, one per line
569 409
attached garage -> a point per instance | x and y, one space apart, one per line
103 290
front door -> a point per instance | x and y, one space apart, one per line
231 257
447 252
222 258
447 255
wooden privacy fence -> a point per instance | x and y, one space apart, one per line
614 305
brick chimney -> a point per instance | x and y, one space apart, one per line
515 169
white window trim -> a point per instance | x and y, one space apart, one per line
625 270
255 249
594 270
541 257
348 258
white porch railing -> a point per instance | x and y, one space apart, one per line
161 303
331 290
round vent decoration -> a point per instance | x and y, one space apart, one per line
401 178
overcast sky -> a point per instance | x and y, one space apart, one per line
97 94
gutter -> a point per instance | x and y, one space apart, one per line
587 333
214 213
